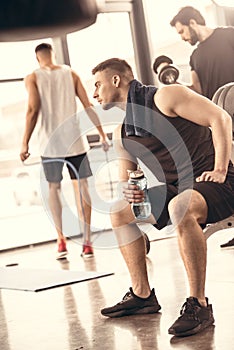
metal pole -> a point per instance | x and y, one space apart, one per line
141 43
61 50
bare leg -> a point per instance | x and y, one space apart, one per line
187 210
83 202
56 208
132 247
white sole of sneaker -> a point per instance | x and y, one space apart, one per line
88 256
61 255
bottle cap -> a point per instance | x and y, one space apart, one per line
135 174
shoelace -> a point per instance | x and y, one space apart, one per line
127 296
188 310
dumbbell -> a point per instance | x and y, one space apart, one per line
167 72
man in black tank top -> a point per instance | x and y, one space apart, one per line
169 131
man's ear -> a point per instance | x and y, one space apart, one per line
192 23
116 80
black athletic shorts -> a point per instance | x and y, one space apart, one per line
219 199
78 167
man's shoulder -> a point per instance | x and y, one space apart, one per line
65 67
224 31
30 76
35 71
224 28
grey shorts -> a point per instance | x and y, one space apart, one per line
78 167
219 199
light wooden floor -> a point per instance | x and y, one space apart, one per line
68 318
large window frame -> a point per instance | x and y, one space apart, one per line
140 36
141 44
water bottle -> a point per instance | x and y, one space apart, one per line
140 210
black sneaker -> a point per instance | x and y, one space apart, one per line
194 318
131 304
229 244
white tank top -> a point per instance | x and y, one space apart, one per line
59 125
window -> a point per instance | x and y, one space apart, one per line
92 45
164 38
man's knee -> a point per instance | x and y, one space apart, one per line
186 207
84 187
121 214
54 186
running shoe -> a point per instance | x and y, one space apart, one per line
194 318
131 304
87 250
62 250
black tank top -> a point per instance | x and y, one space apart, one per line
176 150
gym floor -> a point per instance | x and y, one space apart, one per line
68 317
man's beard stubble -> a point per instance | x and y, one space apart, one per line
193 36
115 100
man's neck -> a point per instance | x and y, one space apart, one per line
122 105
204 33
49 65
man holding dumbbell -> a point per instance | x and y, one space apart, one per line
212 60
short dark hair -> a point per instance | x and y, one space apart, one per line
116 64
43 46
159 60
186 14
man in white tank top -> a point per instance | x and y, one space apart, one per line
52 91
